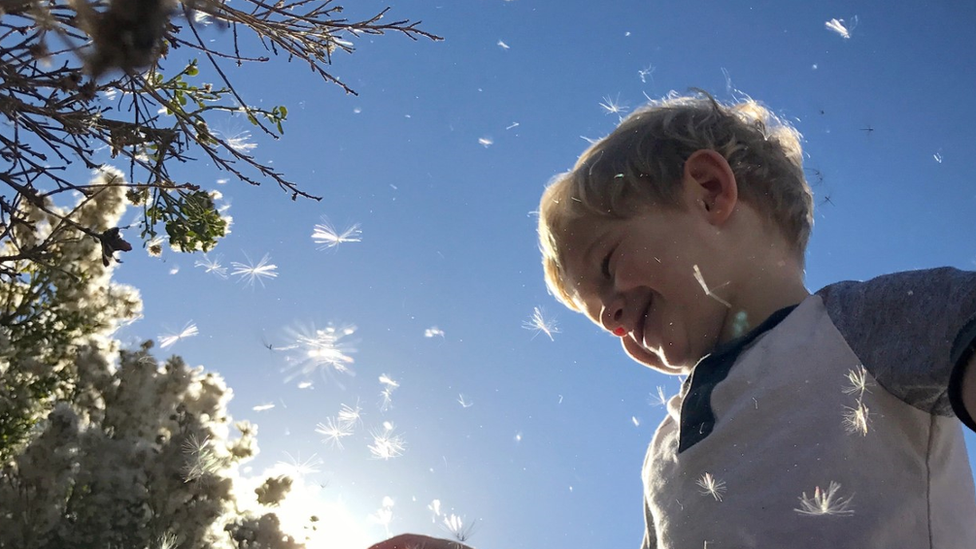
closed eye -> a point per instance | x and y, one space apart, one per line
605 267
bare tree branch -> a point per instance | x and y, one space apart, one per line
60 58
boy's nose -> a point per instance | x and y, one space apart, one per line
612 317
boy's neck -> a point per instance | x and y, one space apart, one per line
772 283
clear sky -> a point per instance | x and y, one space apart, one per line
441 160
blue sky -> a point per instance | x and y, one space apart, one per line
550 449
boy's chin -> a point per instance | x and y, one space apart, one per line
652 360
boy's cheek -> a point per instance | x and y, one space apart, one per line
592 310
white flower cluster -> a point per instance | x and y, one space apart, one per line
143 455
54 308
108 448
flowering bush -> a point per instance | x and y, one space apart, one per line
104 447
49 309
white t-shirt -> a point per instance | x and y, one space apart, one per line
828 426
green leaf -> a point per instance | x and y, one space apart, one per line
193 222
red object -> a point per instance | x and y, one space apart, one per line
619 331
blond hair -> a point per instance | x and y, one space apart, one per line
640 166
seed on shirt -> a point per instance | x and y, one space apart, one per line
711 486
858 381
825 502
856 419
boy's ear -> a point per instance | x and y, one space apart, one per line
710 185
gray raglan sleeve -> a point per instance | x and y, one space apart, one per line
911 330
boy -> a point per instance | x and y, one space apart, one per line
805 421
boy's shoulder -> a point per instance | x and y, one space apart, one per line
909 329
917 285
929 302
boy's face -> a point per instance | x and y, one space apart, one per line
635 277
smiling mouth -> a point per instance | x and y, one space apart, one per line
642 324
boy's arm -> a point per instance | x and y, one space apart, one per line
962 391
962 380
415 541
969 388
